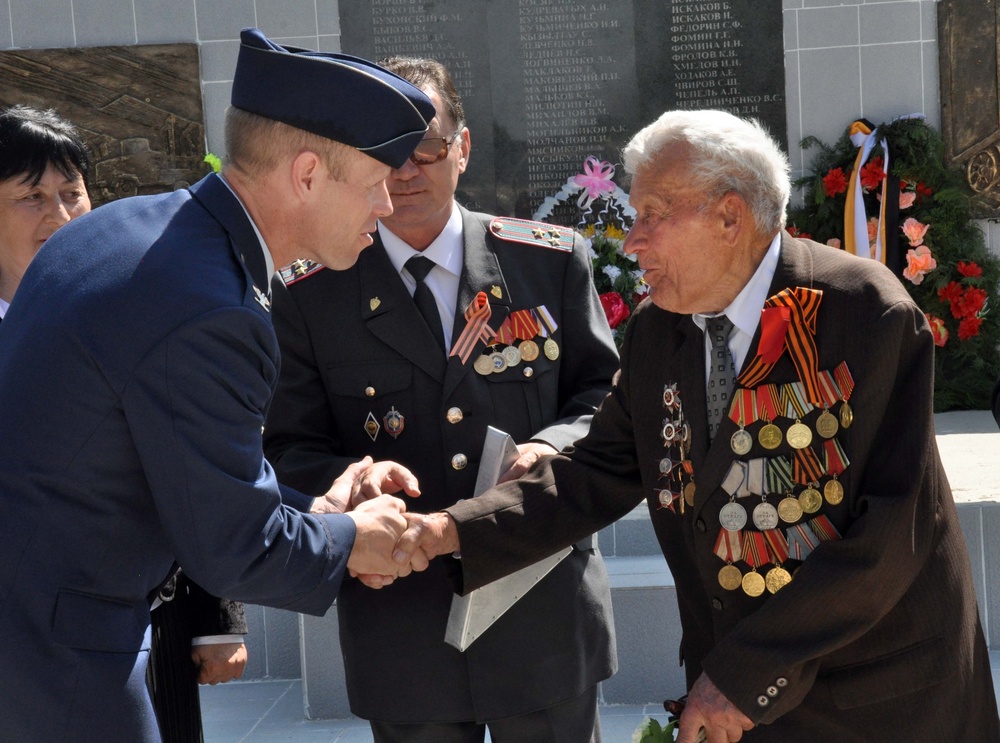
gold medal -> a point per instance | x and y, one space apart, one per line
483 365
769 436
833 491
753 584
551 349
826 425
810 500
528 350
789 509
741 442
799 436
846 415
777 578
511 355
689 493
730 577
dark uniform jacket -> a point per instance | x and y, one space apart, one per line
345 355
137 361
877 636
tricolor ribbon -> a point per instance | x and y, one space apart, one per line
477 315
802 304
801 541
546 323
729 546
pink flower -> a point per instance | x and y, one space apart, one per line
596 178
834 242
872 229
918 262
915 231
906 199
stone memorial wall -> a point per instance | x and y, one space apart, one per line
548 82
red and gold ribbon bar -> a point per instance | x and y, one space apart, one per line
824 530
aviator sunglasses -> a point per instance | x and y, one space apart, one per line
433 149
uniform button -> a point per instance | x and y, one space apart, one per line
717 604
454 415
459 461
772 691
781 682
370 391
700 525
527 371
763 701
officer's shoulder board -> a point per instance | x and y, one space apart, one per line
299 270
529 232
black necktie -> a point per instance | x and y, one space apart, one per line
722 372
423 297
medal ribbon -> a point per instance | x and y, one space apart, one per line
547 324
836 457
801 541
524 324
777 545
828 388
773 328
779 474
505 334
802 304
743 410
793 400
477 315
768 400
756 483
729 546
806 466
735 481
824 529
844 380
755 549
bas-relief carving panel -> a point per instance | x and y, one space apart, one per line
138 107
547 82
970 94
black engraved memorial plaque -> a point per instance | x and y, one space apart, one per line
138 108
548 82
970 103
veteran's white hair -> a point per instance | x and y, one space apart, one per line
727 153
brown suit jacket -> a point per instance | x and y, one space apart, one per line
877 637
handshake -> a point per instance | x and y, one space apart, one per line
390 543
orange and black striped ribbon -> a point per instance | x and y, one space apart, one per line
800 341
477 315
755 549
806 466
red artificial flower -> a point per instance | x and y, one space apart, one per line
970 303
796 232
969 328
872 174
970 269
923 191
938 330
834 182
951 292
615 308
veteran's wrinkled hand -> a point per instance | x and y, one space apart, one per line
383 477
529 453
426 537
338 498
380 523
219 662
708 708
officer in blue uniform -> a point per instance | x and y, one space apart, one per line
137 362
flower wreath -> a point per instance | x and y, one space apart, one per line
886 192
603 216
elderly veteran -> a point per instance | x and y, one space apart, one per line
136 364
822 578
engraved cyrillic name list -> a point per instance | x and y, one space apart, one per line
566 69
707 55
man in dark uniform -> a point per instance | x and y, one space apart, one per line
363 372
823 580
137 361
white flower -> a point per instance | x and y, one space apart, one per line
612 272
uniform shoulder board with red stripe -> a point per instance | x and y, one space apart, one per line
529 232
299 270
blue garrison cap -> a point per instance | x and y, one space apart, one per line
344 98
